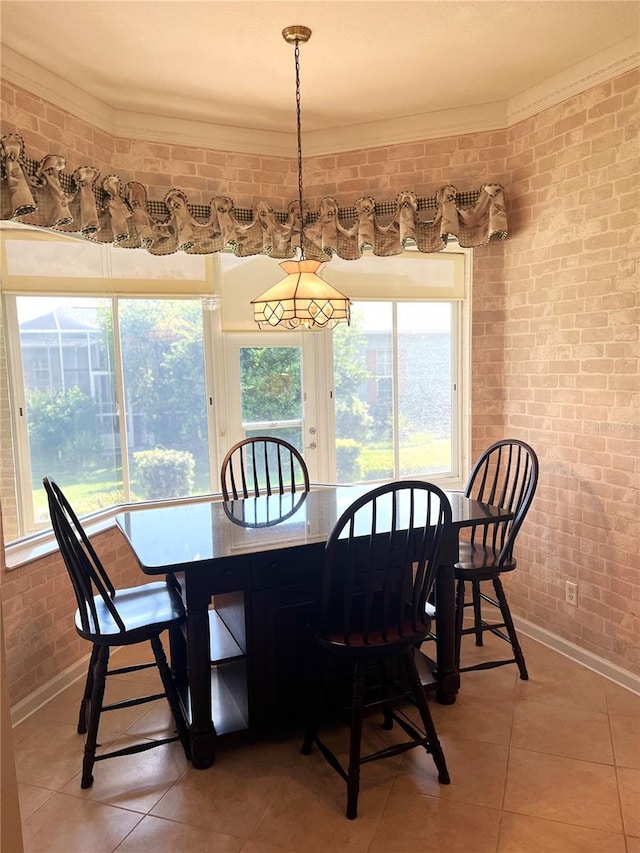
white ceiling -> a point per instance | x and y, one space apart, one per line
225 64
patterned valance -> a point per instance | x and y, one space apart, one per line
42 193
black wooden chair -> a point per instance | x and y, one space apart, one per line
108 617
505 475
262 465
380 566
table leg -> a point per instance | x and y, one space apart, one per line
178 646
447 675
178 657
202 731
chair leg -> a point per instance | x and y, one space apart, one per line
477 612
387 711
459 619
511 631
420 699
95 709
315 711
85 704
353 776
172 695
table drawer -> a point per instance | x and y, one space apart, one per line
274 569
225 576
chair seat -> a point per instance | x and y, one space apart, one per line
145 610
376 645
480 562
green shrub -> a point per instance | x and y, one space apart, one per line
347 454
102 500
83 444
376 465
164 473
57 422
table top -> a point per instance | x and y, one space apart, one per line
172 538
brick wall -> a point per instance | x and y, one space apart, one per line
571 358
555 331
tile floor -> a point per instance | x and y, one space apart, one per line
552 764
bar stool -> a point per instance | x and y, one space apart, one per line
107 617
380 566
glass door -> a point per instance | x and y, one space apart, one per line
268 375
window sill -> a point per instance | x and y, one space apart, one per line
25 551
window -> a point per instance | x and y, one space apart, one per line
395 383
75 354
271 393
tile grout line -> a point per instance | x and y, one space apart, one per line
506 775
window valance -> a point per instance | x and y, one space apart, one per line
108 210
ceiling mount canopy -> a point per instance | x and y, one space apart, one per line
302 300
296 33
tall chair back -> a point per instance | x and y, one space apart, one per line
505 475
380 567
88 576
263 465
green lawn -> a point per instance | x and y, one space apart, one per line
428 455
88 491
95 490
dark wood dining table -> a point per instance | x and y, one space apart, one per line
249 573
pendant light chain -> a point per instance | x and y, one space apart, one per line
299 129
301 300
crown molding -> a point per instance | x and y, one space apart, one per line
124 124
603 66
28 75
200 134
435 125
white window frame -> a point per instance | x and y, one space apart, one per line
460 360
460 396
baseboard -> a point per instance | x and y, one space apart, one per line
614 673
30 704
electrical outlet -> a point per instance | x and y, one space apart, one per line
571 593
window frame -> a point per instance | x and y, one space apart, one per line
460 392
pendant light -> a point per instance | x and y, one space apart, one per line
302 300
